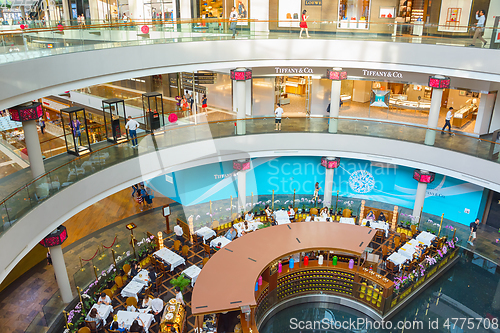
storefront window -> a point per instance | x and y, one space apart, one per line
211 8
353 14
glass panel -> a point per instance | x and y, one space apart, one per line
107 109
68 133
37 325
53 308
84 276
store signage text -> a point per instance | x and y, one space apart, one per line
227 175
294 70
313 2
398 75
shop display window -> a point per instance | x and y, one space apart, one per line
75 127
115 119
152 108
354 14
387 12
211 9
289 13
454 15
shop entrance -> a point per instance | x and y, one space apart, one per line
294 94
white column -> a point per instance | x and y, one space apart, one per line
327 198
242 190
136 10
334 105
259 11
61 273
241 103
432 122
185 14
94 11
419 199
66 12
33 147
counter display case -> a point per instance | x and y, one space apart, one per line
174 316
401 102
463 115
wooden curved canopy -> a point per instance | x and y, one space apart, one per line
227 281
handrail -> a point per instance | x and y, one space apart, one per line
227 126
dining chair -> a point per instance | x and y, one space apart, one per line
206 248
403 238
131 301
159 281
384 251
108 292
84 330
205 260
185 252
413 229
196 241
396 242
126 268
314 211
215 225
119 282
92 326
177 245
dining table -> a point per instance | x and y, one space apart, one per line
221 239
169 257
381 225
281 217
103 310
426 238
397 259
206 233
128 317
192 273
142 277
347 220
132 289
407 250
252 226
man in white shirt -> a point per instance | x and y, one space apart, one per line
179 233
178 296
157 307
104 299
278 113
481 18
233 18
449 115
248 216
132 127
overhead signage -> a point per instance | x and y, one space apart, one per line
294 70
313 2
387 74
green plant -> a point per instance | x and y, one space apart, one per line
265 225
180 282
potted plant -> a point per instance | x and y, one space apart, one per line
180 282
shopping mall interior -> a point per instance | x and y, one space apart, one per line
250 166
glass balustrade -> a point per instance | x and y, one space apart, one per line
21 201
36 39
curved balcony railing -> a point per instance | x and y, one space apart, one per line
32 194
33 39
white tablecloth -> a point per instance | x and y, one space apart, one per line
397 259
103 310
320 219
142 277
378 225
127 317
414 242
221 239
281 217
132 289
206 233
170 257
252 226
347 220
407 250
192 273
426 238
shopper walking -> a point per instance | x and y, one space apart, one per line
132 127
481 18
277 117
447 120
204 103
303 24
189 99
473 229
233 18
42 126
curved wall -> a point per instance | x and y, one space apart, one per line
38 77
29 230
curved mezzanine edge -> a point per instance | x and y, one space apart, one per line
30 229
118 63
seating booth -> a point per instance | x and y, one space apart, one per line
115 119
76 136
152 108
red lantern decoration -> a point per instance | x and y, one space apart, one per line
22 26
439 82
145 29
172 117
423 176
60 27
336 74
27 111
241 74
55 238
330 162
241 165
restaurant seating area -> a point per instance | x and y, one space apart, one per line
391 254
